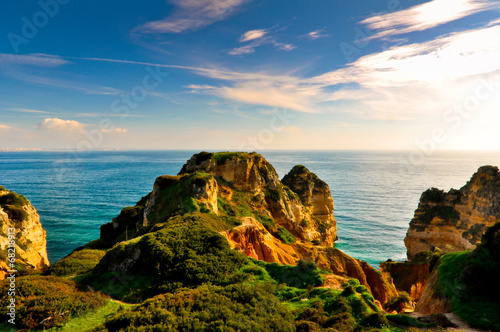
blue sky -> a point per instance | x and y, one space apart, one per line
251 75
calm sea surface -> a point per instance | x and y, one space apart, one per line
375 193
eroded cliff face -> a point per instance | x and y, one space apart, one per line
456 220
17 213
306 213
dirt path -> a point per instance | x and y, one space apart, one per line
461 325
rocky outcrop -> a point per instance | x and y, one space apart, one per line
19 218
241 196
252 239
411 276
456 220
309 217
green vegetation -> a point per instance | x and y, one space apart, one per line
78 262
304 274
13 203
266 221
284 235
398 302
49 299
433 195
445 212
177 195
170 258
89 321
221 157
470 281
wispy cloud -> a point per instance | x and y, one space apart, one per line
257 38
426 16
316 34
4 127
190 15
252 34
39 60
26 110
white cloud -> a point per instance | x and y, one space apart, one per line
191 15
252 35
285 47
400 83
316 34
242 50
4 127
115 131
426 16
61 125
40 60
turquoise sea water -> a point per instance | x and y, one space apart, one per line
375 193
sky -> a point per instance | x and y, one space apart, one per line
250 74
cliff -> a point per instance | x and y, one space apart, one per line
456 220
17 213
466 283
241 196
411 276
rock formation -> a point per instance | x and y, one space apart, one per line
411 276
241 196
455 221
17 214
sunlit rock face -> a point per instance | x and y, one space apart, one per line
456 220
17 213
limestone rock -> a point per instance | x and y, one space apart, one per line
455 221
17 213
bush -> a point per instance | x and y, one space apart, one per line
78 262
305 274
52 299
398 302
232 308
284 235
170 258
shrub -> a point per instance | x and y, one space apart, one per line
78 262
48 298
173 257
284 235
232 308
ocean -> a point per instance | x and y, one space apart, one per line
375 193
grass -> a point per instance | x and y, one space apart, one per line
475 310
91 320
284 235
221 157
7 327
78 262
266 221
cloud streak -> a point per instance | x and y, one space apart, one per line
257 38
191 15
426 16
